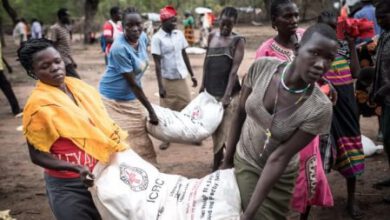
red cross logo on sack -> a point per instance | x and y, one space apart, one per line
135 177
197 113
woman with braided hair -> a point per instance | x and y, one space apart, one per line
67 129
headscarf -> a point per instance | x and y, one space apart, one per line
167 12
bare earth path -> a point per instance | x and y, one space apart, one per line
21 183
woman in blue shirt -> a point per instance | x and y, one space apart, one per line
121 86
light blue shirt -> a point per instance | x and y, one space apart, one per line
124 59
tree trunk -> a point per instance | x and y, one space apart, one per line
10 11
305 6
90 9
151 5
222 2
178 4
2 41
266 9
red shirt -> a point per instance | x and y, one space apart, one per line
110 29
65 149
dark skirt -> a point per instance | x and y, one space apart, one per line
276 205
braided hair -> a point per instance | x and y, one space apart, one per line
229 12
129 10
27 50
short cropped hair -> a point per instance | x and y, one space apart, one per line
114 10
320 28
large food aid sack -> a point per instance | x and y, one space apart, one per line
369 147
131 188
197 121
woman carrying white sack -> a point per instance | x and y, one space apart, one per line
224 55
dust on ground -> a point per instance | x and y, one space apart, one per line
21 183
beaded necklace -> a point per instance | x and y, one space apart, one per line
294 91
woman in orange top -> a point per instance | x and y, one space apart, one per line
67 129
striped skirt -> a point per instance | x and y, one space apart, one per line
346 133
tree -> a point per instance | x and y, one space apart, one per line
10 11
2 41
266 9
90 10
222 2
305 6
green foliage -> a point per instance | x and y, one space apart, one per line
152 5
45 10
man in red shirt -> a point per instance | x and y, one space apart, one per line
111 29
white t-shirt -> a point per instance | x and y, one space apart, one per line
169 47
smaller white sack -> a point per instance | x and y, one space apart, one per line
195 50
197 121
369 146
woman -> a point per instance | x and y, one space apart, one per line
223 58
345 123
308 190
121 87
67 129
281 110
189 24
284 18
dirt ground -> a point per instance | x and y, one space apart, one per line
22 186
